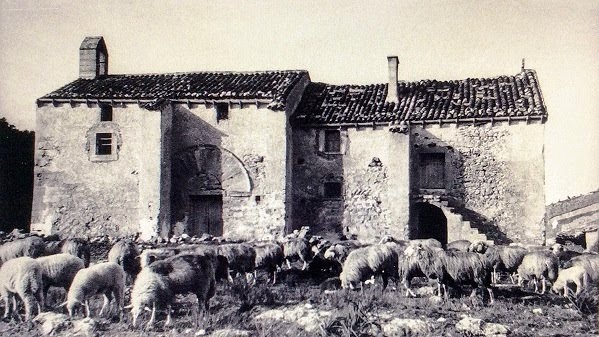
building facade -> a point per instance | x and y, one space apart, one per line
248 155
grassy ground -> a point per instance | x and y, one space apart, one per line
352 313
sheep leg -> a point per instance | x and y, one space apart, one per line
274 277
152 316
104 304
6 305
27 301
87 311
288 263
168 316
544 286
492 298
135 313
305 265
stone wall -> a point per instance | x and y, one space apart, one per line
77 196
495 172
374 169
254 139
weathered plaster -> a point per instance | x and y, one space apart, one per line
79 197
496 172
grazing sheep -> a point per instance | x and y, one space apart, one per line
340 250
59 270
269 257
466 268
150 255
564 255
241 257
578 275
589 261
107 278
366 262
297 248
151 289
74 246
461 245
538 265
187 273
32 246
432 243
21 276
503 259
125 253
451 268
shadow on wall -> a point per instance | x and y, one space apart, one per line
439 170
196 190
317 183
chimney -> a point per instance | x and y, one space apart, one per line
393 63
93 57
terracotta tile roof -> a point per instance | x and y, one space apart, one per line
274 86
427 100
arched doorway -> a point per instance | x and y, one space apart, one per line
428 221
202 176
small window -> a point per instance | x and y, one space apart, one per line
432 170
222 111
103 144
333 189
106 113
332 141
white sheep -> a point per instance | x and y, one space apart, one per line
579 275
32 246
107 278
125 253
461 245
432 243
501 259
74 246
366 262
269 257
589 261
339 251
297 248
151 289
187 273
538 265
21 276
59 270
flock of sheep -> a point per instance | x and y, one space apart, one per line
31 265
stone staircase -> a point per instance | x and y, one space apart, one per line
465 229
462 226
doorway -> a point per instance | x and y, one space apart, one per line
428 222
206 215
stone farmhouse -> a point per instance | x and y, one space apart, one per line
249 154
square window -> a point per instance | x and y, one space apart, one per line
103 144
432 170
333 189
222 111
106 113
332 141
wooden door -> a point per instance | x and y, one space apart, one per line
206 215
432 170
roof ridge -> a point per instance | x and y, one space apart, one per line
532 71
250 72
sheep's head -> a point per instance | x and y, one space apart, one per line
557 249
330 253
387 238
478 247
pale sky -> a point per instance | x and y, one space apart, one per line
337 42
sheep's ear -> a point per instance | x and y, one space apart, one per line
62 304
128 307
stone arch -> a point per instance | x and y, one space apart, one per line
202 177
208 168
428 221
